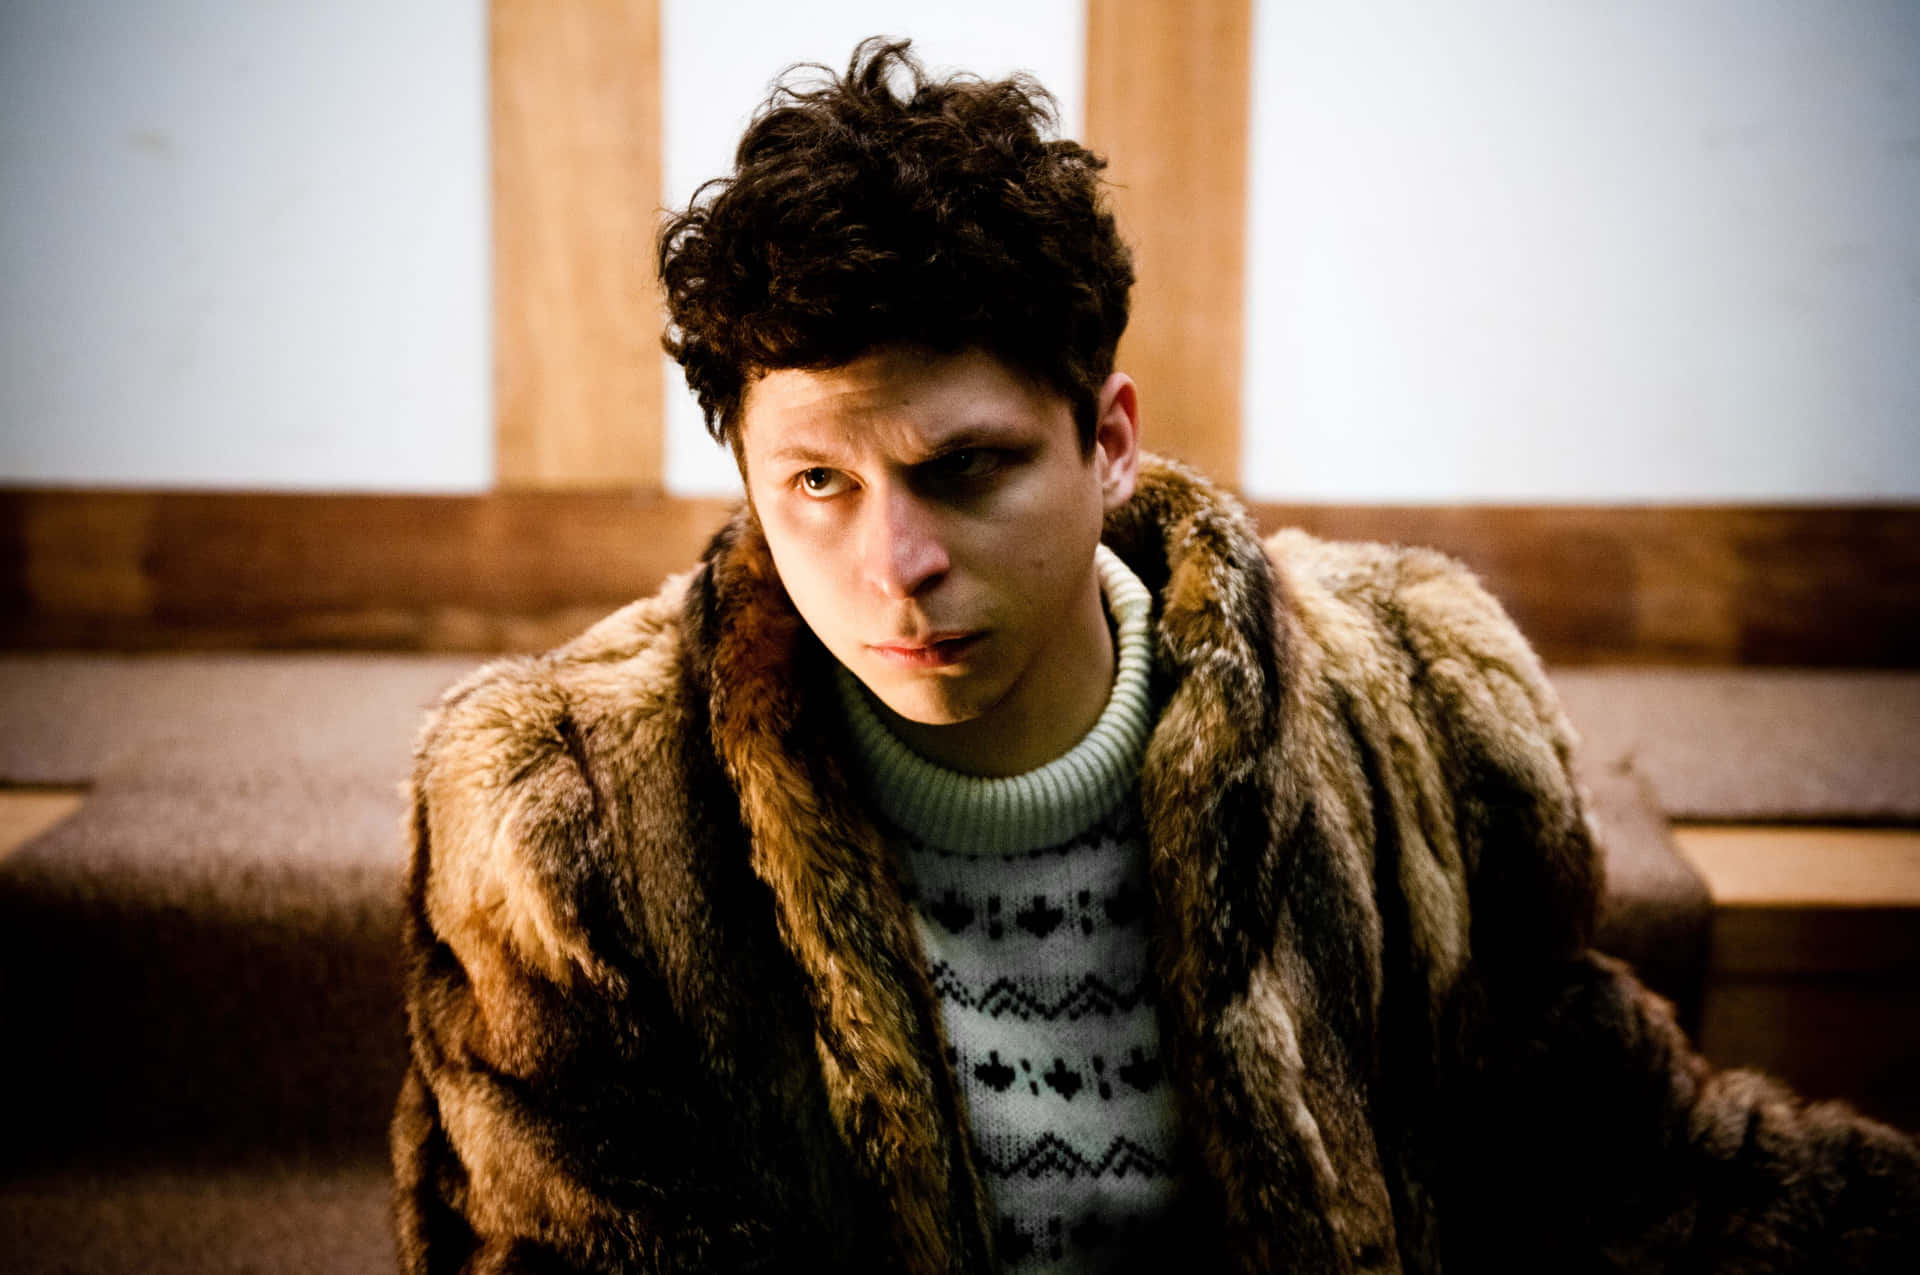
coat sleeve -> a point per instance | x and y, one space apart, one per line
554 1116
1577 1120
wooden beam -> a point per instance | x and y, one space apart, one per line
521 570
576 136
1168 97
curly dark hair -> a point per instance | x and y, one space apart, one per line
856 217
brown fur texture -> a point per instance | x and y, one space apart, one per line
668 1013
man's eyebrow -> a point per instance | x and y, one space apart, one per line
986 432
802 454
980 433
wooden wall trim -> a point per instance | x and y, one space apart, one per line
523 570
576 189
173 570
1168 101
1738 585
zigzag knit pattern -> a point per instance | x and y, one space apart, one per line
1035 934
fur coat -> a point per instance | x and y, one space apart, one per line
668 1011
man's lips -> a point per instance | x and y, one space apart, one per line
936 651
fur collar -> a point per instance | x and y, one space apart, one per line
1266 939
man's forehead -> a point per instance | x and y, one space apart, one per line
896 392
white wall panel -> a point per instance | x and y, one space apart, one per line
1594 251
244 244
721 59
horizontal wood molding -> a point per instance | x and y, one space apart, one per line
576 145
1169 87
503 571
519 570
1741 585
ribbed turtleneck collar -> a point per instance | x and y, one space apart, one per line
1045 806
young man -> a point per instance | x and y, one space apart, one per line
992 855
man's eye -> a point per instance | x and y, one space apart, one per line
821 482
968 463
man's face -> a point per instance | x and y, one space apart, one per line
934 521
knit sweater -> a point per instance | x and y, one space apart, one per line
1030 897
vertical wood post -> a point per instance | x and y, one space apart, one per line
576 139
1168 98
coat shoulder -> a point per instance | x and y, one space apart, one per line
1393 614
1431 667
497 725
512 769
1379 580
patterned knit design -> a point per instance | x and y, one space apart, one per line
1035 933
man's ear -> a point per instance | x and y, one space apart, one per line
1116 439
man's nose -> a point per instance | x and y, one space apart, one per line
905 552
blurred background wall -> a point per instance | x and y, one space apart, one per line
1494 251
1585 251
244 244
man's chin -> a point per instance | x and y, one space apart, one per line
922 704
